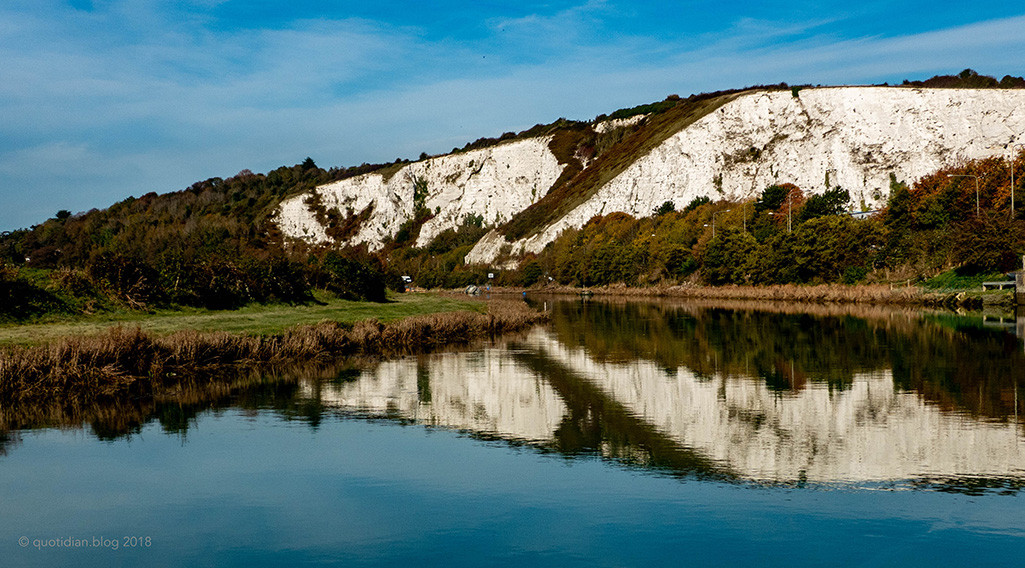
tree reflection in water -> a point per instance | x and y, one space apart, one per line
954 361
735 392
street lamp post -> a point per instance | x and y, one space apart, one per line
788 216
713 220
976 188
1011 146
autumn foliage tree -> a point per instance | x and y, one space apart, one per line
786 237
210 245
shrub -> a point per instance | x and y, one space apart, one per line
831 202
130 279
667 207
22 299
356 275
696 202
729 257
530 272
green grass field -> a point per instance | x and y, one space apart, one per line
255 319
952 281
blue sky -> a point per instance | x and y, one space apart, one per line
102 99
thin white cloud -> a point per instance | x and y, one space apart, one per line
126 111
571 19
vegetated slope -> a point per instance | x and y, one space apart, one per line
209 245
630 144
517 181
533 185
785 236
225 242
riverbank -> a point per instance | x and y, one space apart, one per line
129 361
256 319
880 294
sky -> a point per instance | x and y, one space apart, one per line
105 99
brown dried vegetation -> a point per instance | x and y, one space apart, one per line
130 362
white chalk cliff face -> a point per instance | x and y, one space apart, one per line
858 135
494 183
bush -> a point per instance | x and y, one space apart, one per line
129 279
696 202
831 202
282 280
22 299
729 258
222 285
667 207
827 249
530 272
356 275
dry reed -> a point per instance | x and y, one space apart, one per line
824 293
128 361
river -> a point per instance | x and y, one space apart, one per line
624 433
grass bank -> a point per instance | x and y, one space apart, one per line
255 319
136 363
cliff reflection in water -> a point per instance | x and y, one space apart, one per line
738 392
735 392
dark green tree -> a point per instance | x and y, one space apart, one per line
831 202
772 197
667 207
989 242
356 275
730 257
696 202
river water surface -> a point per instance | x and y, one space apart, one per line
622 434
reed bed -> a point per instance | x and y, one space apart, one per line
825 293
131 362
867 311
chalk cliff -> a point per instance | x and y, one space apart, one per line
494 183
857 136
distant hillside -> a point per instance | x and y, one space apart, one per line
210 245
594 158
531 186
278 236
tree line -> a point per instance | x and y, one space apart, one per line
785 236
211 245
